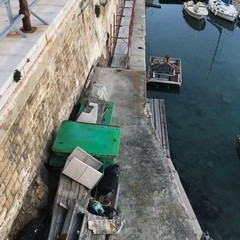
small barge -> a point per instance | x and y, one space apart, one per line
165 70
83 154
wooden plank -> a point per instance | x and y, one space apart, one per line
157 120
68 190
59 213
83 231
71 191
75 221
68 218
54 218
62 197
164 128
151 112
83 197
162 122
87 234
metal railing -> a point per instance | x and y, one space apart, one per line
14 21
130 32
117 25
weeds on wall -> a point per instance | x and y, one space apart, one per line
17 75
107 41
97 10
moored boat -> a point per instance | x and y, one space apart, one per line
165 70
196 24
224 10
198 10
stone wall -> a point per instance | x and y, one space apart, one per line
59 73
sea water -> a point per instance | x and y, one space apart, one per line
203 118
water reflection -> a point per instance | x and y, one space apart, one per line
220 23
203 119
238 22
196 24
155 88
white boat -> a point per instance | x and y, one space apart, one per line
165 70
223 10
198 10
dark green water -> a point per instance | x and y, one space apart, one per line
204 118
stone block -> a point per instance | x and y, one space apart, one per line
2 188
15 176
3 199
9 201
3 165
9 187
16 187
3 214
7 178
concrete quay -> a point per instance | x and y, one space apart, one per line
152 200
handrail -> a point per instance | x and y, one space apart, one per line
130 31
14 21
12 26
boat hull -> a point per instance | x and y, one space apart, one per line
196 24
226 17
223 10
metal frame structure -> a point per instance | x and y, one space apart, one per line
114 30
15 20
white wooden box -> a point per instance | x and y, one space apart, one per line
83 168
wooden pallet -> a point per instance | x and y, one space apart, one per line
159 122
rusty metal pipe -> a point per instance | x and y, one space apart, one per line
24 9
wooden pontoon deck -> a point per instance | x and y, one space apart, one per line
159 122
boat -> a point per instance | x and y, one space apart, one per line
165 70
196 24
224 10
198 10
220 23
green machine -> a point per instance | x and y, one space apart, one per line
100 140
107 115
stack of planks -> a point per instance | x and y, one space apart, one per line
70 216
68 192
